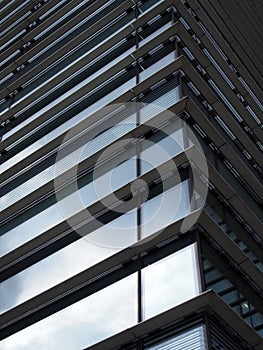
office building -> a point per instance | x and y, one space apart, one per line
131 174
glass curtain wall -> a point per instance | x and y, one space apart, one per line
165 284
133 298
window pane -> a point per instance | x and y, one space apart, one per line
30 228
164 209
170 281
162 146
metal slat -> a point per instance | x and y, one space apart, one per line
221 110
35 31
231 249
191 340
69 72
244 30
17 14
223 188
47 190
69 46
227 150
81 285
256 221
164 36
246 111
82 37
63 234
4 4
215 75
252 219
215 24
227 50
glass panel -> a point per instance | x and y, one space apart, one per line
151 36
170 281
76 257
88 321
117 177
220 340
164 209
216 281
162 146
30 228
230 297
257 319
51 216
220 286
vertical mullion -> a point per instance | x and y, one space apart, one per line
200 261
138 173
139 220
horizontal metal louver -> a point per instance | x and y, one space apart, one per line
192 340
220 340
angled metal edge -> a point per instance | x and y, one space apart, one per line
206 302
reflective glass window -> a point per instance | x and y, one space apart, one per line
30 228
162 146
170 281
164 209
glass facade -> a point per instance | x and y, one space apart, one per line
89 313
131 168
80 324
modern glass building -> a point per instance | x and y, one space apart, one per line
131 175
